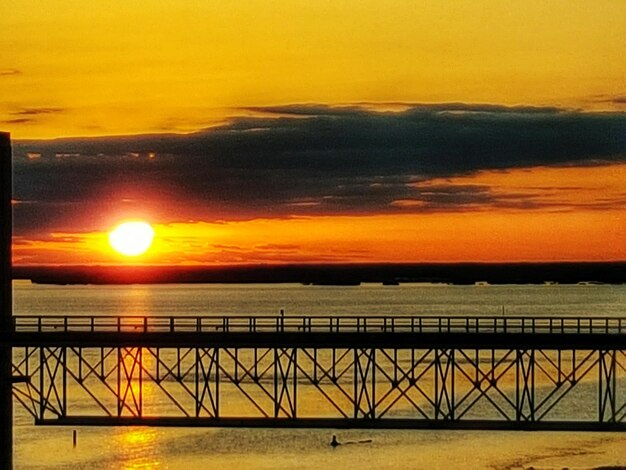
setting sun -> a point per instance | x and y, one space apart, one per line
131 238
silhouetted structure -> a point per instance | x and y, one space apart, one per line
6 403
337 372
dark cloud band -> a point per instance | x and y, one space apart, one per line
310 159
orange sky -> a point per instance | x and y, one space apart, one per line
71 68
569 228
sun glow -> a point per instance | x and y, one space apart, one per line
131 238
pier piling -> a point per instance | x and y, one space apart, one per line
6 304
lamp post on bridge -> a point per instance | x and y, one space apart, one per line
6 304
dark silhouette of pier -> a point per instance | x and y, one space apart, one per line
359 372
6 303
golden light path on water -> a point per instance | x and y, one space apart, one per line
141 448
239 449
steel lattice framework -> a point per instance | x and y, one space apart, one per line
456 372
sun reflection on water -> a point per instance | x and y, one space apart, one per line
144 466
138 449
140 436
136 300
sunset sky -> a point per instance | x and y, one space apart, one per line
317 131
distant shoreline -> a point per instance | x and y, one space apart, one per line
334 274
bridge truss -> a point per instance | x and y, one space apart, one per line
475 377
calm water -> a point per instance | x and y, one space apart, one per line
51 447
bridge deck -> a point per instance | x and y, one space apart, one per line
320 324
325 340
338 423
322 332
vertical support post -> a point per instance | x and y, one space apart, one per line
525 385
607 409
63 360
275 375
6 304
118 390
207 382
364 383
285 380
444 384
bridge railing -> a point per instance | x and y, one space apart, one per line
319 324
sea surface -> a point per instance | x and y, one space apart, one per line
193 448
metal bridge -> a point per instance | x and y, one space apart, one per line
375 372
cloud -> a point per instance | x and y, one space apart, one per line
613 99
9 72
36 111
29 115
308 160
18 121
277 247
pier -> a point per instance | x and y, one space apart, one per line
515 373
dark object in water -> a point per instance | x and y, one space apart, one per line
334 442
362 441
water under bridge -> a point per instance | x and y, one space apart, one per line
525 373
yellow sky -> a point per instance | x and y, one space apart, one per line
120 67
